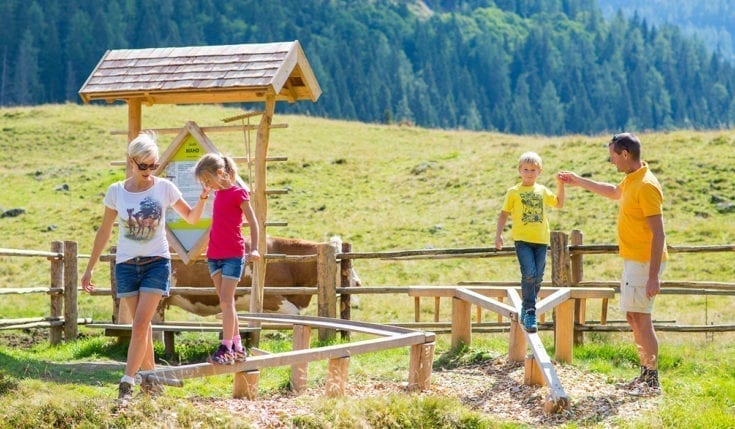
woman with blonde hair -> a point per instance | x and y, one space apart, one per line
142 259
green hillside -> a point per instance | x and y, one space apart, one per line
381 188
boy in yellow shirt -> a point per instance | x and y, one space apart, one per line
525 203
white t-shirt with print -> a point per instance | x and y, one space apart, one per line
142 218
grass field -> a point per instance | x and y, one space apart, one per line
381 188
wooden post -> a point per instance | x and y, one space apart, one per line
560 261
416 309
337 376
345 299
564 330
516 342
603 312
71 281
517 339
419 368
300 371
533 374
134 126
260 206
577 275
57 282
577 267
246 384
461 322
437 307
326 267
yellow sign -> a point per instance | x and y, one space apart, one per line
177 165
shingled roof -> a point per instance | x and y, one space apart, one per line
203 74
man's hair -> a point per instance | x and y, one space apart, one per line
626 141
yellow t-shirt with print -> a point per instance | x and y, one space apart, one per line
641 197
526 205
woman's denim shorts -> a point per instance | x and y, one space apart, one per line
231 268
151 274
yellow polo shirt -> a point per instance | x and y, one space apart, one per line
641 197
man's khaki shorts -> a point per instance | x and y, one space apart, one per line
633 287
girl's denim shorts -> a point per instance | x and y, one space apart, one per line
231 268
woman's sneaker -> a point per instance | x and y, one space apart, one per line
124 393
239 355
223 356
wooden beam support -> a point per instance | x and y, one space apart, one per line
300 371
564 331
246 384
419 368
461 322
337 372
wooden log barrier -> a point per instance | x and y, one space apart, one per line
391 337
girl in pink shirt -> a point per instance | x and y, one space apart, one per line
226 252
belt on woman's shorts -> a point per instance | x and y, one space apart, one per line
143 260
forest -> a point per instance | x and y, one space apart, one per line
549 67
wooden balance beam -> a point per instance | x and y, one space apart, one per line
247 373
168 330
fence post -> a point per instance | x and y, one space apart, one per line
560 261
71 281
57 300
345 299
560 268
577 275
326 269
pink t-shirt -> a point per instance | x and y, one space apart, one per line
225 236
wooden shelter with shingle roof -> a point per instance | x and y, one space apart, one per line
266 72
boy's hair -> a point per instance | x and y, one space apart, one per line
207 166
143 147
530 158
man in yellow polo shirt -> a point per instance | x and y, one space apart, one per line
642 243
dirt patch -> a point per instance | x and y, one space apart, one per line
24 339
494 388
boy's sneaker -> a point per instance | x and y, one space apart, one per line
223 356
124 393
529 322
239 355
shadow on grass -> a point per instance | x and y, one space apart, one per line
91 373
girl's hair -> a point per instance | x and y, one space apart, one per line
208 165
143 147
530 158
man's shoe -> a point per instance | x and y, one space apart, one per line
627 385
644 389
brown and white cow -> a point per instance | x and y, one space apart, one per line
277 273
